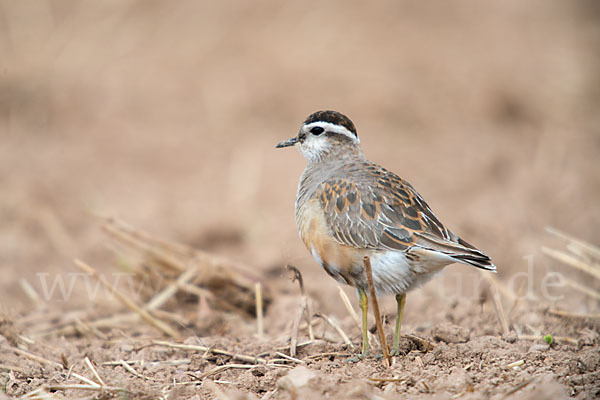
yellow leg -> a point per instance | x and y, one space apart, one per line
400 300
363 302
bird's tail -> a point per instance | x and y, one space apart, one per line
473 256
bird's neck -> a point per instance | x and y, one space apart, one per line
337 154
325 167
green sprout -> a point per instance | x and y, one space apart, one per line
548 339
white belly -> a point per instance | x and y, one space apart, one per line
394 273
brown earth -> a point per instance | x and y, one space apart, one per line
166 115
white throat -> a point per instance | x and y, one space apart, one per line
314 148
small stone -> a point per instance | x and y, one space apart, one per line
451 334
296 378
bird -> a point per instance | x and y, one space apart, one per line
348 208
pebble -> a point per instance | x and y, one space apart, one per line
296 378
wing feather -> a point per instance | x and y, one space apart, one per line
379 210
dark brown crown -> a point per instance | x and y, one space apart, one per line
333 117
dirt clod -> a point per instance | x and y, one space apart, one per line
588 337
510 337
451 334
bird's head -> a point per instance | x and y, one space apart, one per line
323 134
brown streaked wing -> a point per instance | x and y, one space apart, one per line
374 208
432 234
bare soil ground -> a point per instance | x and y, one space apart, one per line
166 115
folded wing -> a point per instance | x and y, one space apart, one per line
381 211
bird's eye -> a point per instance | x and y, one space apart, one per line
317 130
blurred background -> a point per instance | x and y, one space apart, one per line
166 114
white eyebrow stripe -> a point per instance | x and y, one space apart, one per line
328 126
